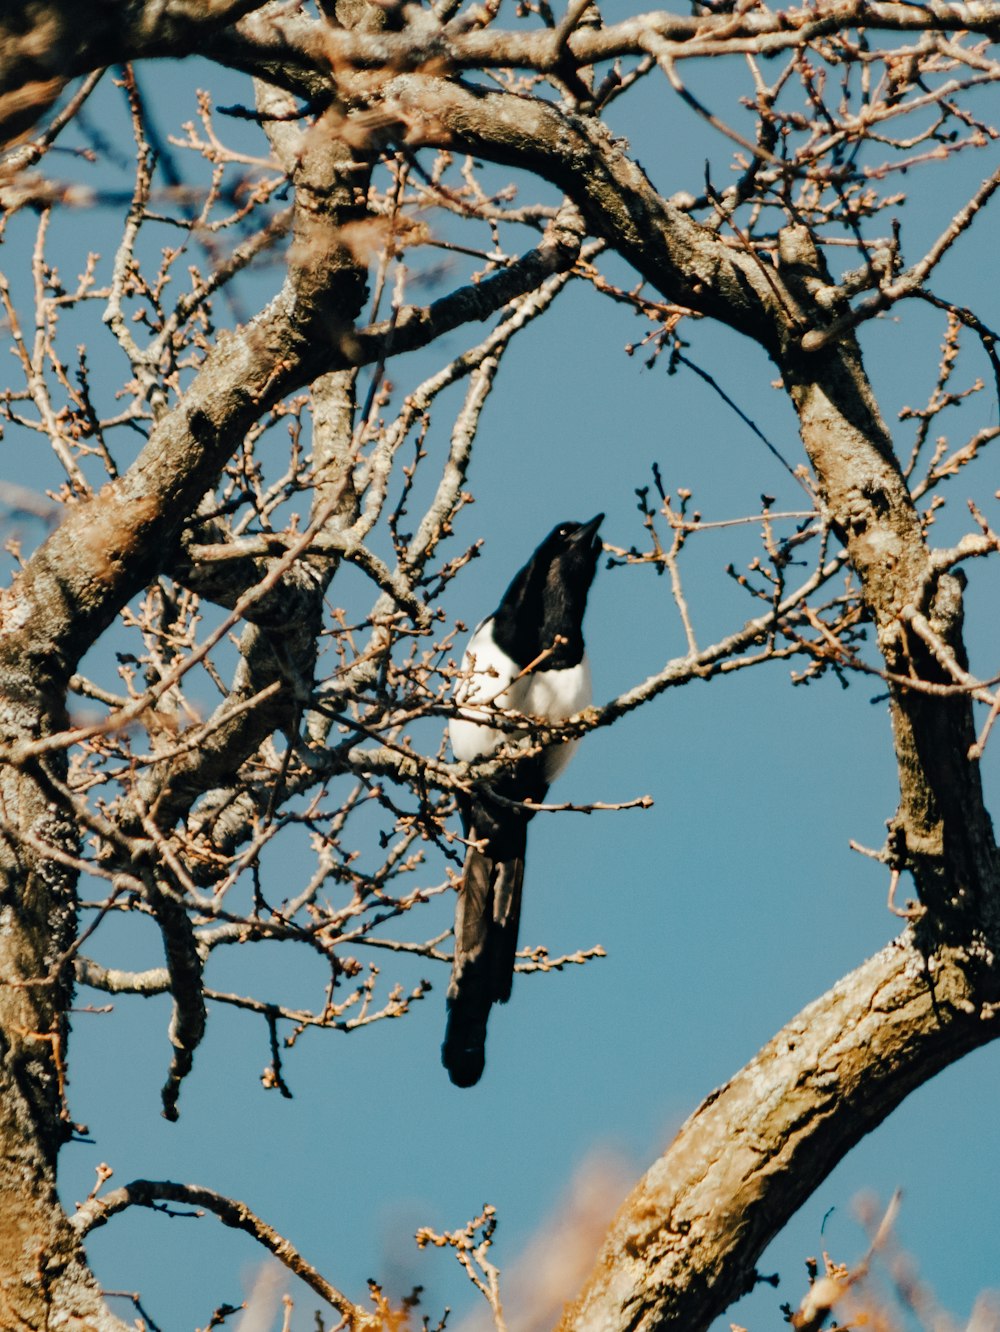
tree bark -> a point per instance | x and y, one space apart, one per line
44 1279
684 1244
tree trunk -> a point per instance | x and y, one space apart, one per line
44 1279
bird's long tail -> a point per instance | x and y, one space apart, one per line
486 925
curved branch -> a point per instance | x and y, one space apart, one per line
684 1244
148 1192
185 965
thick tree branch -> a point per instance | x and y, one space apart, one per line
685 1243
942 831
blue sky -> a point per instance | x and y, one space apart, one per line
723 910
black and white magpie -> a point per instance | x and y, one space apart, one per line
528 657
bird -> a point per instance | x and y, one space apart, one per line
527 657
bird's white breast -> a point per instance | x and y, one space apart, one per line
493 682
556 696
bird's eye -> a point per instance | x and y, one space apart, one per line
565 530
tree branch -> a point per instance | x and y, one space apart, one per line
685 1243
148 1192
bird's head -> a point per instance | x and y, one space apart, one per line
548 597
567 558
571 541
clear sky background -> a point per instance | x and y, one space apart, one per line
723 910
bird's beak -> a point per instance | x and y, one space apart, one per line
587 532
